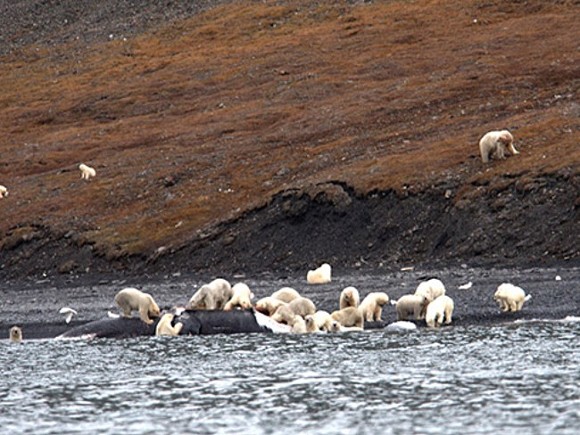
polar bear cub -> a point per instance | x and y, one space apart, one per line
510 297
322 275
349 297
130 299
164 326
242 297
439 310
495 144
86 171
372 306
212 296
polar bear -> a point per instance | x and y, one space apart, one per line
372 306
284 314
410 306
3 191
268 305
130 299
86 171
286 294
430 289
319 321
439 310
349 297
495 144
321 275
242 297
164 326
15 334
212 296
302 306
349 317
510 297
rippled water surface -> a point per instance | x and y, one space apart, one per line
521 378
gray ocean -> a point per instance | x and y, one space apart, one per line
517 378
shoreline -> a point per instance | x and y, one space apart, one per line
92 297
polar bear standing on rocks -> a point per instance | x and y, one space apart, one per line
349 297
431 290
212 296
410 306
242 297
131 299
495 144
164 326
510 297
441 309
322 275
86 171
372 306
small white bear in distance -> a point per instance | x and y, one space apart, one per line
86 171
495 144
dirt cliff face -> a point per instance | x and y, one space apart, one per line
238 136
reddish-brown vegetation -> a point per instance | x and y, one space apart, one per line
201 120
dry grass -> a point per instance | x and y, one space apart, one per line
202 120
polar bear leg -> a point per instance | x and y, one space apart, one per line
144 313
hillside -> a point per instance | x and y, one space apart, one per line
256 136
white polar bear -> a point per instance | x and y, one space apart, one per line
268 305
495 144
164 326
372 306
430 289
319 321
349 317
439 310
15 334
349 297
302 306
322 275
286 294
3 191
130 299
86 171
410 306
242 297
212 296
510 297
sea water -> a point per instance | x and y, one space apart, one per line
515 378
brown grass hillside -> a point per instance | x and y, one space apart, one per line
196 121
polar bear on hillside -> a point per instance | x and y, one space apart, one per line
510 297
130 299
439 310
212 296
3 191
495 144
86 171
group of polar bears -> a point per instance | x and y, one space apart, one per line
287 306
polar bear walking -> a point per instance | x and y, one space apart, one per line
86 171
441 309
495 144
510 297
130 299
